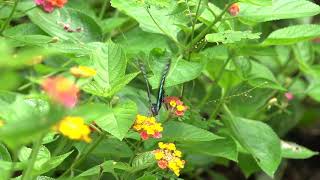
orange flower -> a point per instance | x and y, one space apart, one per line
61 90
234 9
175 105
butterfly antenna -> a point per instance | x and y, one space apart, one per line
143 71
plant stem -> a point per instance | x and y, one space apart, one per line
27 174
7 22
208 28
103 9
78 161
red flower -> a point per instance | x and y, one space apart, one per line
144 135
289 96
157 135
61 90
234 9
49 5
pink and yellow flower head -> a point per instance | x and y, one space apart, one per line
49 5
74 128
169 157
234 9
61 90
83 72
147 127
175 105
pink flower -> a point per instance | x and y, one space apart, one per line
289 96
49 5
61 90
157 135
234 9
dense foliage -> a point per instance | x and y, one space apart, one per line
229 78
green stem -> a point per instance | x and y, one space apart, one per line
103 9
208 28
27 174
7 22
78 161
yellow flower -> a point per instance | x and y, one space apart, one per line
177 153
173 103
150 130
177 172
74 128
162 145
82 72
171 147
180 107
140 119
159 155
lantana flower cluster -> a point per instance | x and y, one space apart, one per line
169 157
74 128
234 9
175 105
49 5
147 127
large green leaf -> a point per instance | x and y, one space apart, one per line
118 120
226 148
294 151
293 34
178 131
280 9
165 22
180 71
53 24
143 161
25 120
259 2
42 157
259 140
230 36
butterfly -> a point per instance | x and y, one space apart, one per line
155 107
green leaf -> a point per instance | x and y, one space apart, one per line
50 164
226 148
178 131
53 24
136 41
259 2
163 18
42 157
112 148
248 165
143 161
259 140
230 36
118 120
180 71
314 90
294 151
107 166
260 75
280 9
25 120
4 153
148 177
293 34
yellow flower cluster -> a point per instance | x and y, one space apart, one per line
74 128
82 72
147 127
169 157
1 123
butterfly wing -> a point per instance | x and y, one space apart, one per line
143 71
161 92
